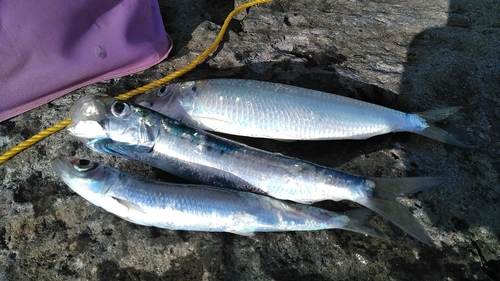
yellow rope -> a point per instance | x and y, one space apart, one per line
43 134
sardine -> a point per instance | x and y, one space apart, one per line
197 207
283 112
123 129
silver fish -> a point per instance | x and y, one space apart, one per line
283 112
197 207
120 128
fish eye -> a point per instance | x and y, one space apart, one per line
120 109
84 165
162 91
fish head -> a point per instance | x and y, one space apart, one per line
174 100
89 179
106 124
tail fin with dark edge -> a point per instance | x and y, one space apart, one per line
436 133
359 222
383 201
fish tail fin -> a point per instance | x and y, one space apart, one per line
359 222
436 133
439 114
383 201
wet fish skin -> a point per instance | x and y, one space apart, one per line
197 207
283 112
120 128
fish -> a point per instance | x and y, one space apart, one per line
120 128
196 207
283 112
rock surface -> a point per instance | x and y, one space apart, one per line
408 55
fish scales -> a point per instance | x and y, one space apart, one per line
271 173
276 111
307 115
196 207
127 130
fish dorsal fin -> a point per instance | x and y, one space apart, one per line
129 205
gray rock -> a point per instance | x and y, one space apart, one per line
408 55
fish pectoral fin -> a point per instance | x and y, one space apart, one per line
242 223
243 233
108 146
212 123
305 202
286 140
129 205
215 119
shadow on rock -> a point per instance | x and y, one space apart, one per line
109 270
437 66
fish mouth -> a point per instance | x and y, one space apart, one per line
160 100
60 164
86 116
81 175
63 166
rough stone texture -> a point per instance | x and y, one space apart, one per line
408 55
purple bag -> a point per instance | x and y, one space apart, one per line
50 48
